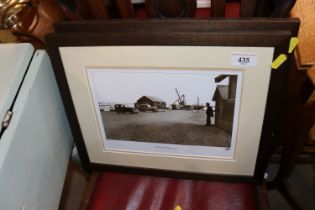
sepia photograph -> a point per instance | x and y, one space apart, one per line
177 107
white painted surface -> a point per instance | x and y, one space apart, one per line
14 60
38 143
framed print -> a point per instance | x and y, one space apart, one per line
201 25
193 104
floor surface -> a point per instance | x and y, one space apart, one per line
302 181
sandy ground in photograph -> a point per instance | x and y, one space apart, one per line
169 126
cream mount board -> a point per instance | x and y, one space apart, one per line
253 90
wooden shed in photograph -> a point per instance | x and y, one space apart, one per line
153 101
224 96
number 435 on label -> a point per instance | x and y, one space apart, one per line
243 59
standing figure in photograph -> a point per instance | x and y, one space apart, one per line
209 113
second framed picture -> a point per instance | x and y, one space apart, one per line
195 104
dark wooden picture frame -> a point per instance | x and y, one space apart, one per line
273 38
179 25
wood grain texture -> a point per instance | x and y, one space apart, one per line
89 191
183 25
237 38
74 187
304 9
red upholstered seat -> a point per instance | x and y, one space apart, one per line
118 191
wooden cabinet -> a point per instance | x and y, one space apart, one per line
36 145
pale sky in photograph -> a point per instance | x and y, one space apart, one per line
127 86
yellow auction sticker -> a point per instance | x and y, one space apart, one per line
178 208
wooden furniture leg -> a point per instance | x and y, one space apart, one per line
298 131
